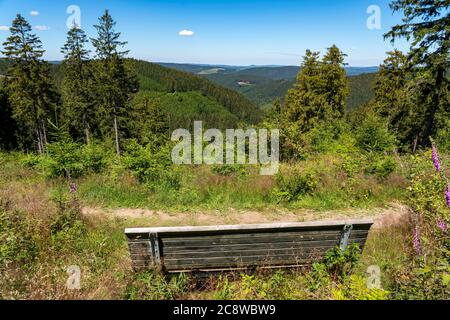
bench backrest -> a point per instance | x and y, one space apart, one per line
187 249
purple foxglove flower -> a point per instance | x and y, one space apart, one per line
73 188
435 157
416 241
442 225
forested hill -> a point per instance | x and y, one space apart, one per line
184 96
154 77
263 84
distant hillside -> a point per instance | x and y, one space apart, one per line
262 85
185 97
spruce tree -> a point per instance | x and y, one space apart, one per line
426 24
113 81
306 102
336 81
77 84
29 83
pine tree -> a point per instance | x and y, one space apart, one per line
336 81
114 83
321 91
29 83
427 25
77 83
306 101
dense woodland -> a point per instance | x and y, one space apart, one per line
100 124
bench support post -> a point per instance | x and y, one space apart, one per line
345 236
155 249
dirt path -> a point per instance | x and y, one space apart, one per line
392 214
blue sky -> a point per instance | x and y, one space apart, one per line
230 32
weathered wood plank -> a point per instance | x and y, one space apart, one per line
251 252
245 246
255 238
231 262
316 225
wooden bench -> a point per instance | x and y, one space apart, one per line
220 248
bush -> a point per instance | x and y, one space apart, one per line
228 170
17 245
427 273
333 138
381 167
154 286
355 288
151 167
69 159
293 183
374 136
340 263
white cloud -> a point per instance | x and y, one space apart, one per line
4 28
34 13
186 33
42 28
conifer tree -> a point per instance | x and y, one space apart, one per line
29 83
336 81
77 83
114 83
427 25
306 101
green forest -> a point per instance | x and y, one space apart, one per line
85 151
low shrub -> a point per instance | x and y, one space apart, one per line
151 167
154 286
381 166
17 245
294 182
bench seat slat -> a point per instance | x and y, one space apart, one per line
207 247
251 238
229 262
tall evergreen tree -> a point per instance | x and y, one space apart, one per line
321 91
77 83
114 83
426 24
29 83
336 81
306 102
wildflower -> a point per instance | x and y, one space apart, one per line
435 157
442 225
416 241
73 187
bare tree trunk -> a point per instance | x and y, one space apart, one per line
86 128
116 131
416 140
39 145
44 134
